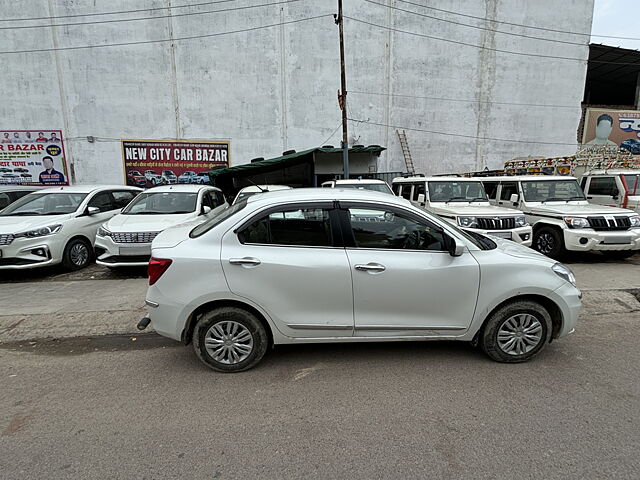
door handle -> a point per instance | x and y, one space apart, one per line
244 261
589 198
371 267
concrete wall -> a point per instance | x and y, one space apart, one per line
273 89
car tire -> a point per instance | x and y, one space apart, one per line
549 241
516 332
619 254
77 254
214 335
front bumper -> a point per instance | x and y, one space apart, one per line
586 239
521 235
112 254
25 253
569 299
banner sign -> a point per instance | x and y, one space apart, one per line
613 128
32 157
148 163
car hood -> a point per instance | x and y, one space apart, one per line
472 209
563 208
147 223
24 224
514 249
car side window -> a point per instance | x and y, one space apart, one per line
295 227
103 201
122 198
4 200
508 189
406 191
418 189
219 199
491 188
602 186
380 228
396 189
207 200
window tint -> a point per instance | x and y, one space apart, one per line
491 188
508 189
418 189
122 199
602 186
4 200
219 199
207 200
304 227
406 191
103 201
396 188
379 228
583 183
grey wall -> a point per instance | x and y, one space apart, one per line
273 89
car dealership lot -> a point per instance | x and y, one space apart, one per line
72 404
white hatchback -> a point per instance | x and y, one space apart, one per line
58 225
125 240
306 265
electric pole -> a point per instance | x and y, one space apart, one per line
342 95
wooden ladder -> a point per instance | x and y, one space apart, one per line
402 136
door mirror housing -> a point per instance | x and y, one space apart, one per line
514 198
205 210
455 249
92 211
421 199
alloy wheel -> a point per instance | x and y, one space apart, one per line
520 334
228 342
79 254
545 243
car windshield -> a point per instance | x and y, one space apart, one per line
633 184
167 172
374 187
45 204
218 219
452 191
162 203
552 191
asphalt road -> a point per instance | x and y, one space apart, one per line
140 406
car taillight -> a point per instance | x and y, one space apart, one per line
157 266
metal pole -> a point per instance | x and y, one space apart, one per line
342 96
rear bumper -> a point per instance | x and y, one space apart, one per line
583 240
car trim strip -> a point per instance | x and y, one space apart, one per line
312 326
405 327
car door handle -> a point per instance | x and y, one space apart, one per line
371 267
589 198
244 261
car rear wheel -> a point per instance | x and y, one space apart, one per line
229 339
77 254
516 332
549 242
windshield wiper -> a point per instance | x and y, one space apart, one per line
576 197
478 199
554 199
453 199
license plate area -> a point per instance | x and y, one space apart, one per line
505 235
135 250
617 240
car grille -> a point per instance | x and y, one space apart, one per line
609 223
134 237
496 223
6 239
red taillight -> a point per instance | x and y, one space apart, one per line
157 266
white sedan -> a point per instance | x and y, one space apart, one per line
305 266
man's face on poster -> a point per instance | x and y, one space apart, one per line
48 163
603 129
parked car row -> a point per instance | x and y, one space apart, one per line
151 179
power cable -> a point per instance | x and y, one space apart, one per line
460 135
457 42
332 134
582 44
119 12
517 24
164 40
462 100
137 19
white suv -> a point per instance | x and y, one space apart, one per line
562 218
58 225
125 240
463 202
299 267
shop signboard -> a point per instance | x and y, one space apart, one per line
32 157
148 163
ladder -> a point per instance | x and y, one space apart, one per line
402 136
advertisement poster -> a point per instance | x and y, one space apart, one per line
148 163
613 128
32 157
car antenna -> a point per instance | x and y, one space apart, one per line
262 190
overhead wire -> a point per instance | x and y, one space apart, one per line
164 40
156 17
332 134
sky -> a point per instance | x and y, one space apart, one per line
617 17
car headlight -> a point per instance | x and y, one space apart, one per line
635 221
521 221
468 222
576 222
103 231
40 232
565 273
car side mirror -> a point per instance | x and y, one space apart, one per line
514 198
421 199
615 193
455 249
205 210
92 211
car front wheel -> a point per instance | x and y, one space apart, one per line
516 332
77 254
229 339
549 242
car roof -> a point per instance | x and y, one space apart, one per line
525 178
181 188
347 181
87 188
260 188
448 178
618 171
325 194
